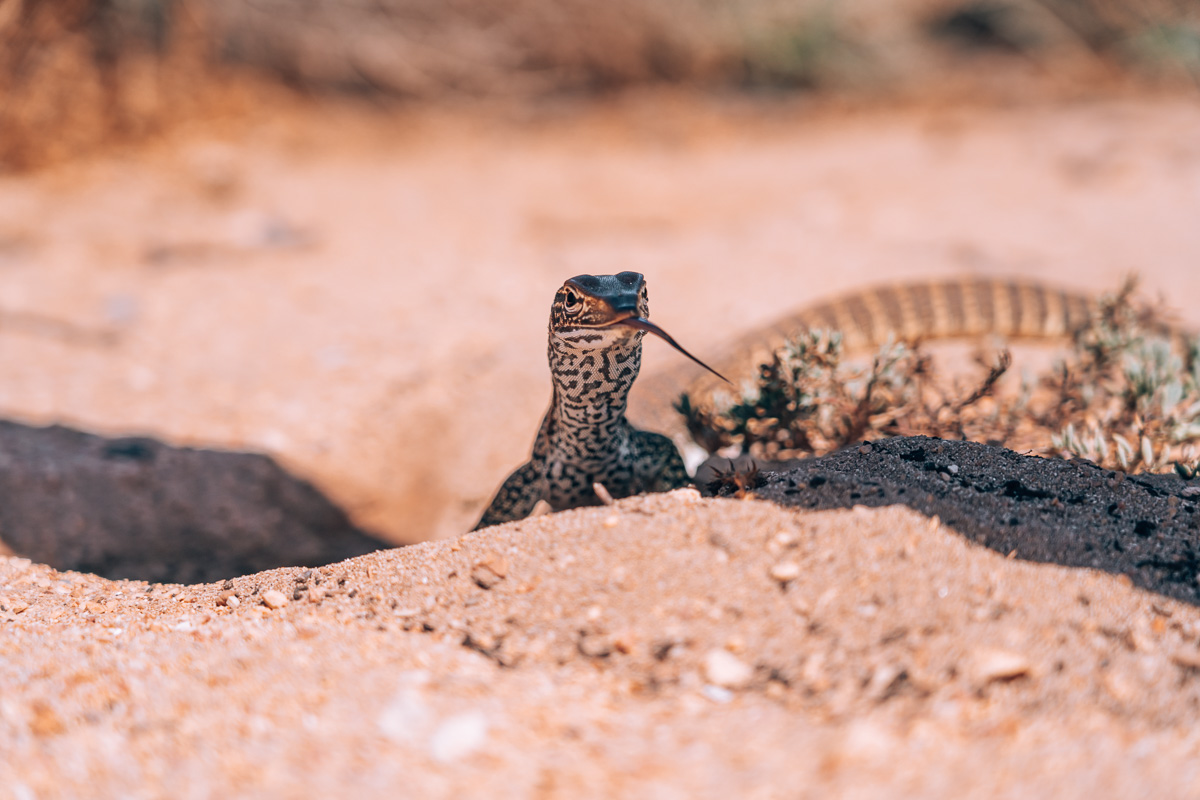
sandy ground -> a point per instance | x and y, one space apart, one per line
654 649
364 297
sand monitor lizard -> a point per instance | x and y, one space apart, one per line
597 323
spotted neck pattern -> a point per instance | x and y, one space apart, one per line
592 372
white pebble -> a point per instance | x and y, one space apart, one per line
1000 665
722 668
686 495
785 571
459 736
407 718
717 694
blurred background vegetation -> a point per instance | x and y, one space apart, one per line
78 73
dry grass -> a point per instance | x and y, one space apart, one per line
76 73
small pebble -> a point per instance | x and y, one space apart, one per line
407 718
485 575
459 737
867 610
722 668
717 694
1119 686
596 646
785 571
1000 665
882 680
687 495
273 598
1191 491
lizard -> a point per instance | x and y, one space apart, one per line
585 448
564 461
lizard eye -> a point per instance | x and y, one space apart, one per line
572 302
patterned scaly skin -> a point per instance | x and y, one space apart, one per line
584 438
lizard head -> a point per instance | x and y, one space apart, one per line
599 301
614 306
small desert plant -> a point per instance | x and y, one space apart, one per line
1127 397
808 400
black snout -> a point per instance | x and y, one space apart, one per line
625 302
620 291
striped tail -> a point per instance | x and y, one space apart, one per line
953 309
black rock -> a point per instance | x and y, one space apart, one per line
138 508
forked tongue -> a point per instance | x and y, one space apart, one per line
641 323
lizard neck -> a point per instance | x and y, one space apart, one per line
592 371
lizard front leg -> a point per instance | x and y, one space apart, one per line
657 463
516 497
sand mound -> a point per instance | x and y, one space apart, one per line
665 646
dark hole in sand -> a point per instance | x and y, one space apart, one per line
141 509
1063 512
